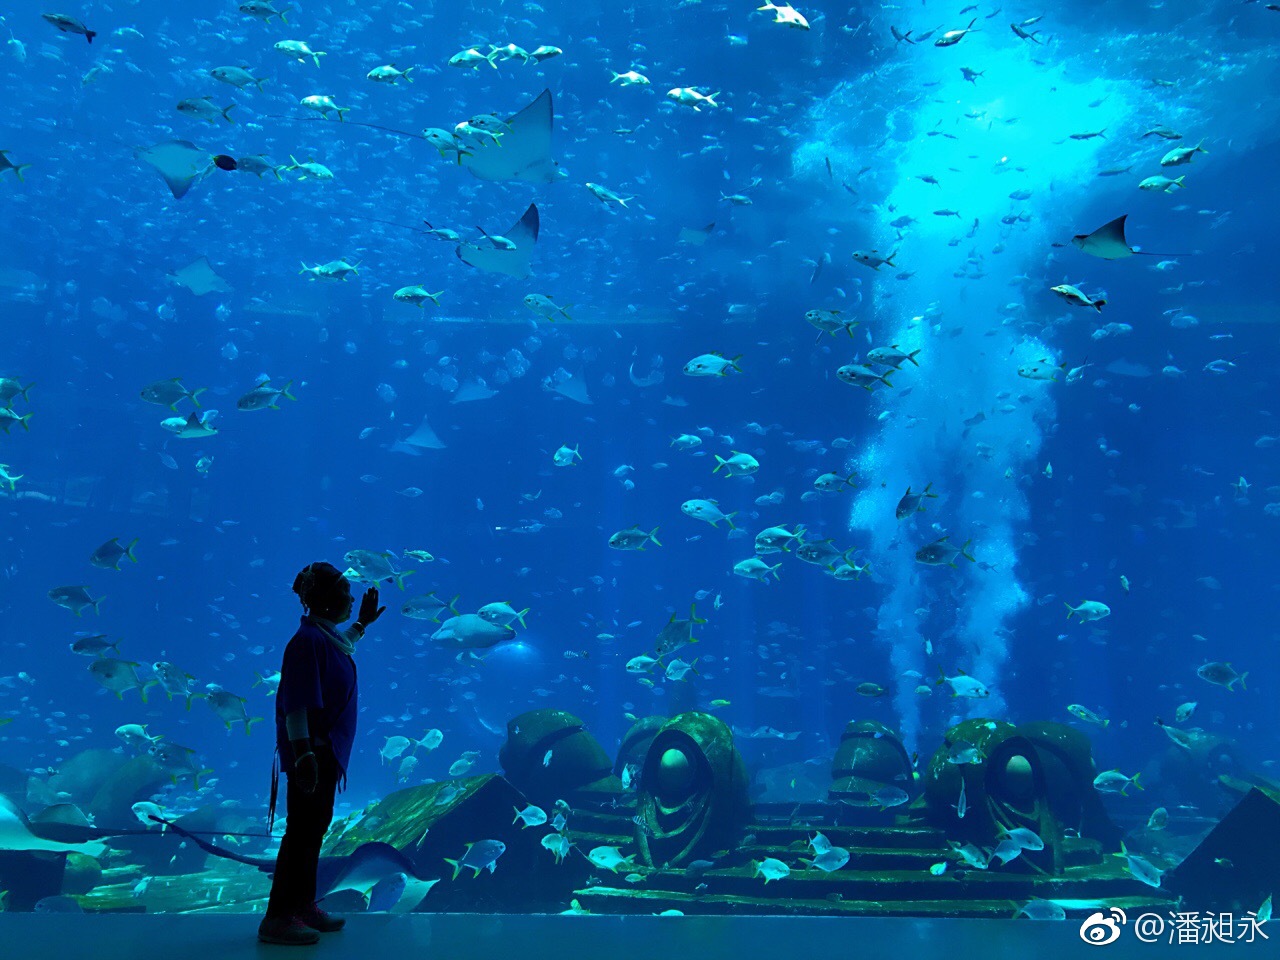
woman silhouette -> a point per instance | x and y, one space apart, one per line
315 728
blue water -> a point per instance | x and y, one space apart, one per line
1143 459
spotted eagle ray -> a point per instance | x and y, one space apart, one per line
522 152
514 260
1108 242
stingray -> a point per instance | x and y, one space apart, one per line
513 262
574 388
15 834
371 867
695 235
199 278
64 822
424 438
180 162
651 379
523 152
473 389
1108 242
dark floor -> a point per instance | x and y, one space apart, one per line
510 937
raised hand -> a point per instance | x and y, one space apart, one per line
369 609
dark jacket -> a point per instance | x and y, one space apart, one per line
317 677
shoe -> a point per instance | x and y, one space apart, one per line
317 919
290 931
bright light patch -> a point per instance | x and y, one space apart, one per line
951 428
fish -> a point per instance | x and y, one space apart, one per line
634 538
478 857
17 168
1180 155
1113 781
389 73
337 270
952 37
872 258
709 511
1140 868
1078 298
785 14
203 108
693 98
1158 184
299 50
109 554
168 393
264 11
739 464
470 631
503 614
119 676
1088 611
69 24
257 165
859 375
416 295
941 553
677 634
531 815
375 567
93 646
1087 715
963 685
238 77
770 868
610 858
753 568
429 607
913 502
712 365
76 599
264 397
1222 675
230 708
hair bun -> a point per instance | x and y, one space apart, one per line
302 582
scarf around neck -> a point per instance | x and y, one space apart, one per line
344 640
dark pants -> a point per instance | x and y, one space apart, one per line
293 888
